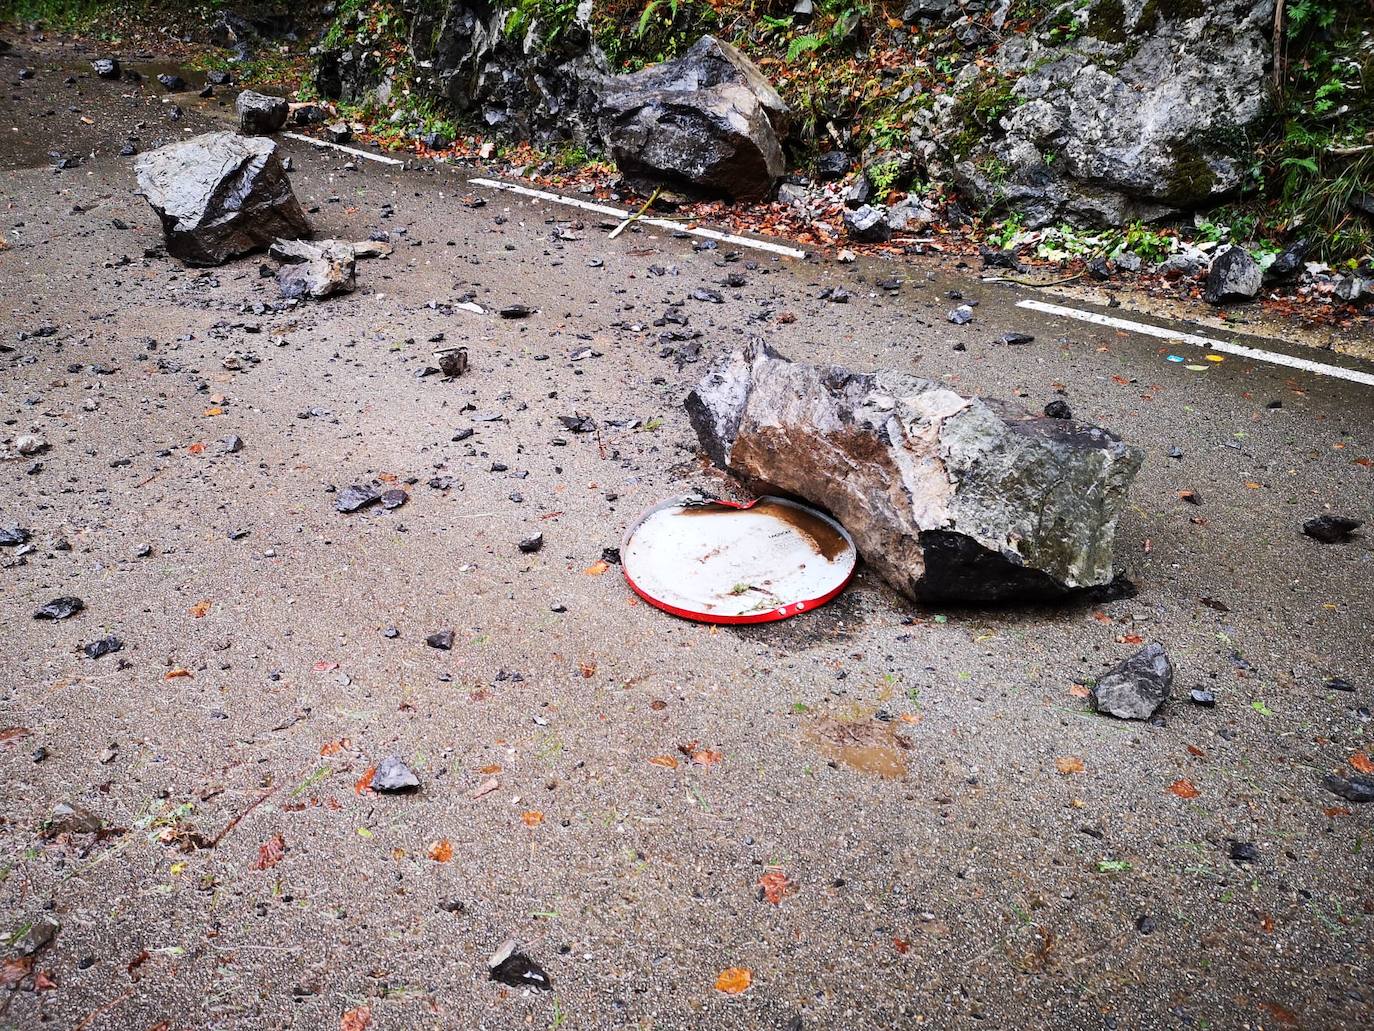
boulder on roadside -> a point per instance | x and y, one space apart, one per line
220 195
707 123
1234 276
105 68
948 497
1136 688
867 225
260 114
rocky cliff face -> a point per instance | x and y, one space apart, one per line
1114 110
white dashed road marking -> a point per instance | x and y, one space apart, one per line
1221 346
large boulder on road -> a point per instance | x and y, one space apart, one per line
220 195
260 114
706 123
948 497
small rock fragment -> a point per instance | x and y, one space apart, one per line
1355 788
532 544
962 315
104 646
1331 529
1137 687
60 608
512 967
394 776
442 639
356 497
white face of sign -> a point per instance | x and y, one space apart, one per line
770 561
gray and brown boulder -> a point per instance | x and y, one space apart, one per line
220 195
948 497
260 114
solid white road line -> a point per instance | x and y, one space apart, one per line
1223 346
381 158
661 223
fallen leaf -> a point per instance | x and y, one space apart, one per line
597 568
1336 810
270 852
1195 750
1184 788
43 981
1362 762
588 670
707 757
10 735
1131 639
734 980
178 671
532 818
334 747
1102 618
364 783
489 769
441 851
776 886
1067 764
200 608
485 788
668 762
1079 691
210 413
13 971
357 1019
196 448
901 945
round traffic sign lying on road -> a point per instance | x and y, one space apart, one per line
731 562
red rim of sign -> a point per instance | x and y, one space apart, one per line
787 611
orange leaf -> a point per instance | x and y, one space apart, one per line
1067 764
196 448
776 886
532 818
441 851
1131 639
1362 762
365 781
212 412
489 769
734 980
1253 485
901 945
1079 691
270 852
172 674
707 757
334 747
359 1019
588 670
1336 810
668 762
597 568
1184 788
1102 618
200 608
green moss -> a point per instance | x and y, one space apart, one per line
1191 180
1168 10
1107 21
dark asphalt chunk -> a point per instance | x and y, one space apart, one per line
512 967
1354 788
441 639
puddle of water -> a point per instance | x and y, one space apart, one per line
870 746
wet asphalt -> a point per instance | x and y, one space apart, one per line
260 677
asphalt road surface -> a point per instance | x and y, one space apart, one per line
1024 863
